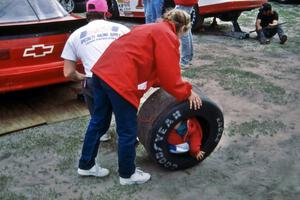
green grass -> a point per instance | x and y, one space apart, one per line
4 181
35 193
54 141
227 72
255 128
116 192
245 83
190 73
44 193
206 57
29 142
231 61
68 152
5 194
8 195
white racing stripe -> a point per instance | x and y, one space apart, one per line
212 2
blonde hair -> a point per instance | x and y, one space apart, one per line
180 18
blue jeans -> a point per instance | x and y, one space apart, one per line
186 41
270 32
153 10
106 101
87 90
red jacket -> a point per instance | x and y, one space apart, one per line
193 136
147 55
185 2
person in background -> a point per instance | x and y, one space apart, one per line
267 25
153 10
146 56
87 44
186 41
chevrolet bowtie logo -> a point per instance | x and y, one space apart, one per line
38 50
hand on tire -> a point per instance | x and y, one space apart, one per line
195 101
200 155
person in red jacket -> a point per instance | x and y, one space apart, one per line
186 137
186 41
145 56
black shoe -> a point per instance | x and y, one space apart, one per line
283 39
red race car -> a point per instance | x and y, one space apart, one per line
226 10
32 36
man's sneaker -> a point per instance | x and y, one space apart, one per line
105 137
94 171
138 177
283 39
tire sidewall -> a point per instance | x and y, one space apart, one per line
211 119
64 4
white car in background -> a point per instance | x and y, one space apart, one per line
225 10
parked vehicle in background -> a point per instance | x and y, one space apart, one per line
32 36
225 10
73 5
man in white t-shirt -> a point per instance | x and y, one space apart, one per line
87 44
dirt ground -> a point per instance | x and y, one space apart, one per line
257 158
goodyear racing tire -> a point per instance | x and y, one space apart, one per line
161 112
68 5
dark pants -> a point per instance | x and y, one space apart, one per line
87 89
106 101
270 32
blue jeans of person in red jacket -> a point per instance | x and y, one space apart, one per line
106 101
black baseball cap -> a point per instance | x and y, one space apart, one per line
266 7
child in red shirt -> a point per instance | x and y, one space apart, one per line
187 133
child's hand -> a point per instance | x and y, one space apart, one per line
200 155
194 101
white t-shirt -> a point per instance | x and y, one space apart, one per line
90 41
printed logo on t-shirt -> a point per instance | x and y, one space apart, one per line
114 29
99 36
83 34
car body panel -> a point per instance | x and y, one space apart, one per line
134 8
30 52
33 61
207 7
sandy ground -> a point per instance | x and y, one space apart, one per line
257 157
